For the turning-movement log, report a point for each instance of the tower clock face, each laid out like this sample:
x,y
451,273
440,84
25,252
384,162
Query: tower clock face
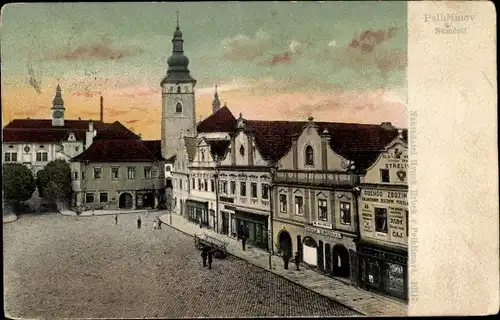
x,y
58,114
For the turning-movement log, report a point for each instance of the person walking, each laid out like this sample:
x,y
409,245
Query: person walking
x,y
139,222
159,224
116,219
286,259
297,260
243,241
204,256
210,257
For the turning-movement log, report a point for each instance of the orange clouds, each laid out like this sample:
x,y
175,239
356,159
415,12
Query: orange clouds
x,y
102,50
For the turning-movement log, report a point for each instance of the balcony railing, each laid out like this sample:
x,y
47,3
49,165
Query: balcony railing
x,y
323,178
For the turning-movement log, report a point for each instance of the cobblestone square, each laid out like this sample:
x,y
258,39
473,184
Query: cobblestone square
x,y
60,267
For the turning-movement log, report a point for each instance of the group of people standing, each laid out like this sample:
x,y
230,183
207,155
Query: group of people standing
x,y
156,223
207,254
286,260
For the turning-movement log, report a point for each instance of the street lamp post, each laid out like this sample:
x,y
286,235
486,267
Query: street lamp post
x,y
271,214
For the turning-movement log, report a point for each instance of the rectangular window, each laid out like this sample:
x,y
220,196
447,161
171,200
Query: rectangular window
x,y
243,189
192,184
381,220
206,184
10,156
97,173
13,157
115,172
299,205
41,156
7,157
180,184
253,189
384,175
232,185
154,173
75,175
199,184
148,174
103,197
77,148
322,210
131,172
223,187
89,198
345,213
265,191
212,185
283,203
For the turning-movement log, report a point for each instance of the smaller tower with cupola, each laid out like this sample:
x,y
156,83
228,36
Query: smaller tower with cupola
x,y
58,109
216,102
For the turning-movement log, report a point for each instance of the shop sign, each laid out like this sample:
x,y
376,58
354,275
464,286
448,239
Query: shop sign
x,y
322,224
226,199
323,232
385,197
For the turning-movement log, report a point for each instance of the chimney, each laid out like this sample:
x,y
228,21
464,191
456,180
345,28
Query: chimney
x,y
102,109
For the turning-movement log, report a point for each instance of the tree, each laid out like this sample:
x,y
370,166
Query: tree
x,y
54,182
18,183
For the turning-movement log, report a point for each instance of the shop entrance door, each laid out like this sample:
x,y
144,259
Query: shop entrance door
x,y
328,259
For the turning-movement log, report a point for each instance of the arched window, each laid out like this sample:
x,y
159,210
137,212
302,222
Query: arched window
x,y
178,107
309,154
242,150
178,89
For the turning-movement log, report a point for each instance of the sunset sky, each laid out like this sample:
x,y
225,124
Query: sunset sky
x,y
343,62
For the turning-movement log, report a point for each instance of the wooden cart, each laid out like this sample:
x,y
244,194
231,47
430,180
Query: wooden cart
x,y
204,242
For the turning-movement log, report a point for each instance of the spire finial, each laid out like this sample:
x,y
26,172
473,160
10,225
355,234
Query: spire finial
x,y
215,88
177,19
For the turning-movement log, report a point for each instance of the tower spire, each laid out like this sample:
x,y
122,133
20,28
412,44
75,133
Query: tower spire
x,y
216,102
177,19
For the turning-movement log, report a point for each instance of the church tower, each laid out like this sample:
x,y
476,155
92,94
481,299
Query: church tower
x,y
58,109
178,99
216,102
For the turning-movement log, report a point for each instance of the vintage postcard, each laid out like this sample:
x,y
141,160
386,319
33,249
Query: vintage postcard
x,y
249,159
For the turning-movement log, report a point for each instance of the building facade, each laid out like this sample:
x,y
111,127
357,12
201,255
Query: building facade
x,y
383,212
36,142
119,174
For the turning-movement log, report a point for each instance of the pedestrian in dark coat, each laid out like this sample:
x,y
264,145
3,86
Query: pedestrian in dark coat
x,y
297,260
159,224
204,255
286,259
116,219
210,257
243,241
139,223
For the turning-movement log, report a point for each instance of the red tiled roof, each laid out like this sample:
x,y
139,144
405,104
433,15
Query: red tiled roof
x,y
41,130
115,130
360,143
220,121
118,150
219,148
154,146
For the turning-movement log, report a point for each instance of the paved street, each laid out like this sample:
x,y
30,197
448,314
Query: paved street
x,y
60,267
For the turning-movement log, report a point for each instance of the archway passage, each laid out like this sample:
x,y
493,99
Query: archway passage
x,y
310,254
285,242
340,263
125,201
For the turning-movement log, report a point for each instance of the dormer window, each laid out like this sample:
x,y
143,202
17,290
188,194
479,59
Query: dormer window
x,y
242,151
309,156
178,107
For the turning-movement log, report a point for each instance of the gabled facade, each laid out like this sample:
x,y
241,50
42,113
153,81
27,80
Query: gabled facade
x,y
383,212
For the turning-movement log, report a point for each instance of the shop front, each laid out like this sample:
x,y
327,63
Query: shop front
x,y
253,226
332,252
383,269
197,212
145,199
